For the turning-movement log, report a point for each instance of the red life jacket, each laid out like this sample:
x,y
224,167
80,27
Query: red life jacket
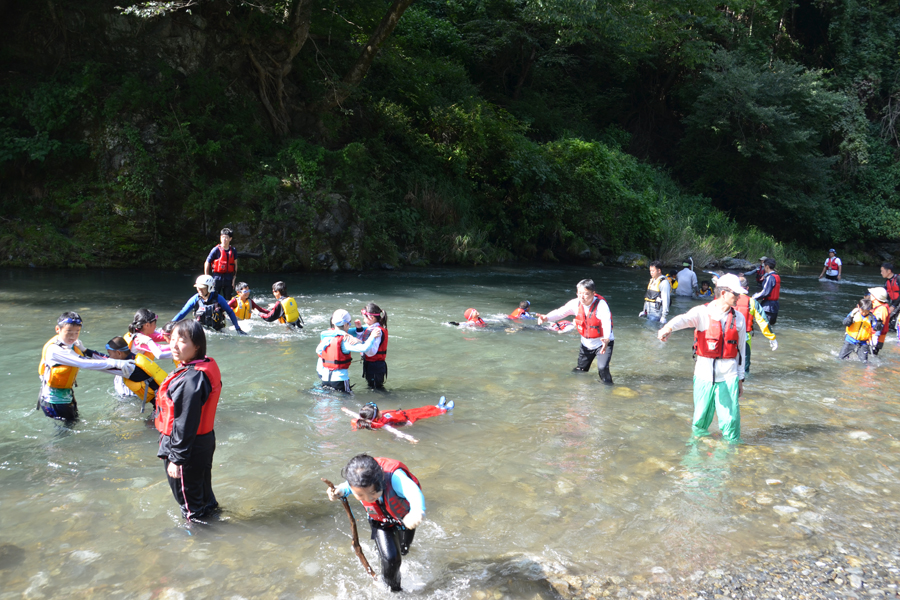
x,y
776,289
716,343
333,356
225,262
893,288
382,346
390,507
590,326
831,264
165,408
743,307
760,275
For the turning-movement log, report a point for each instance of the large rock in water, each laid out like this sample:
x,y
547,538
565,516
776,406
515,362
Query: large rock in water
x,y
736,264
633,259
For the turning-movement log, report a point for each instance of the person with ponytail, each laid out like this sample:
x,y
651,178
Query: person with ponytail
x,y
374,366
144,338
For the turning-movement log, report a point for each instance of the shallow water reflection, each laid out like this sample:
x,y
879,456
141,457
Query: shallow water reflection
x,y
537,470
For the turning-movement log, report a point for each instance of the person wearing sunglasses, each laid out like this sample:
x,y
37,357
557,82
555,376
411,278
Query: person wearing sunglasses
x,y
720,335
61,359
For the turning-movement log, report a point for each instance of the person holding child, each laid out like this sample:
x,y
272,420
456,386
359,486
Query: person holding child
x,y
334,350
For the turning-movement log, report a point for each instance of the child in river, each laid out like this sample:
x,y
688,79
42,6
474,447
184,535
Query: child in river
x,y
285,308
374,366
147,376
370,417
522,311
334,350
860,324
144,338
242,305
705,291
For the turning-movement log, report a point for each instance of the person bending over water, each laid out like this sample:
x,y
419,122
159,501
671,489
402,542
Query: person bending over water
x,y
594,322
394,503
185,418
334,351
146,378
62,357
860,325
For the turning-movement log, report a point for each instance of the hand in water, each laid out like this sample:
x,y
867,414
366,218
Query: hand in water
x,y
413,519
643,313
774,344
663,334
663,320
541,318
242,332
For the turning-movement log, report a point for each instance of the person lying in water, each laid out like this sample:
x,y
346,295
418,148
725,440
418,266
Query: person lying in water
x,y
370,417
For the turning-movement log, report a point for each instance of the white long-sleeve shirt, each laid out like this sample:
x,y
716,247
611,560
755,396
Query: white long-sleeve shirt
x,y
687,282
665,295
61,354
570,308
714,369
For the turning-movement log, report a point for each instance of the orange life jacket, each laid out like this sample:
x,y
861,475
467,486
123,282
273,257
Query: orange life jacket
x,y
165,407
590,326
893,289
776,289
333,356
743,307
61,376
716,343
382,346
518,313
390,507
225,262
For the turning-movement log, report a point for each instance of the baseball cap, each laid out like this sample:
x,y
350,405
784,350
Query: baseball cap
x,y
731,282
340,317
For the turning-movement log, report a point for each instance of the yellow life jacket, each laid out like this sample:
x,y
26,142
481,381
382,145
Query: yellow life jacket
x,y
143,387
653,294
860,329
243,310
673,281
60,376
291,312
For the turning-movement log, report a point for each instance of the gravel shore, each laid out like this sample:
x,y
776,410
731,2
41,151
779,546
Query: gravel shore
x,y
850,570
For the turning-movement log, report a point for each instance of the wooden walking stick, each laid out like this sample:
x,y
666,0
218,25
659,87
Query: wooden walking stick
x,y
354,533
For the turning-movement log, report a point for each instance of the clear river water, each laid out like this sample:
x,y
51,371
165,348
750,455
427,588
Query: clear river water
x,y
536,472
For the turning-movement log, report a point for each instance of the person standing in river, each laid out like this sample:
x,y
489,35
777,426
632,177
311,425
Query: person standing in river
x,y
832,268
222,260
687,281
186,411
658,295
770,292
892,287
759,273
594,322
720,335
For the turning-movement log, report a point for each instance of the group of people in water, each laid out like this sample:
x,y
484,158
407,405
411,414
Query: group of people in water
x,y
185,400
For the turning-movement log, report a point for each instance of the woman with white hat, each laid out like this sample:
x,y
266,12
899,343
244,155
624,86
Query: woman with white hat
x,y
881,308
334,351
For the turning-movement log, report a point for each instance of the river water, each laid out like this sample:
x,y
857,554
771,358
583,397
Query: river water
x,y
537,471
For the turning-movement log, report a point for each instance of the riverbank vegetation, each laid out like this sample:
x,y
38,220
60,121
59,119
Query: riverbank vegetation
x,y
351,135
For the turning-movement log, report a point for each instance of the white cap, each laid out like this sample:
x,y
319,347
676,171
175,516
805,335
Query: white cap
x,y
206,281
340,317
731,282
879,293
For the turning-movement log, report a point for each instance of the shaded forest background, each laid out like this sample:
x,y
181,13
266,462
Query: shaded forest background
x,y
345,135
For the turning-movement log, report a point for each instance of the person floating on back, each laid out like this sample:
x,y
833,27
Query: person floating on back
x,y
62,357
222,261
832,268
392,497
285,308
209,307
594,322
719,341
146,378
334,350
860,325
370,417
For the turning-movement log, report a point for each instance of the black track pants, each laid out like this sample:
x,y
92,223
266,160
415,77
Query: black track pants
x,y
393,541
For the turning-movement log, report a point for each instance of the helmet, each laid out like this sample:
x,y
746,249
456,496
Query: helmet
x,y
206,281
